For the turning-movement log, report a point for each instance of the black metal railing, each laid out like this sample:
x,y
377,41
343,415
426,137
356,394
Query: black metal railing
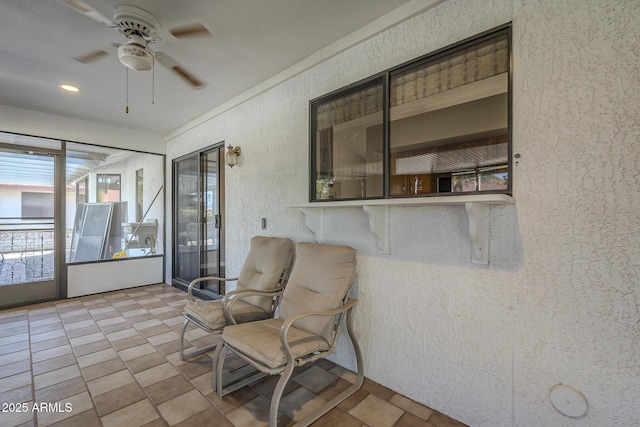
x,y
27,252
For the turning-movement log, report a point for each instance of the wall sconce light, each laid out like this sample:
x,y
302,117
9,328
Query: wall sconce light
x,y
231,156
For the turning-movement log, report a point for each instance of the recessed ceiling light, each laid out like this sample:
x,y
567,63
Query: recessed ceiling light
x,y
70,88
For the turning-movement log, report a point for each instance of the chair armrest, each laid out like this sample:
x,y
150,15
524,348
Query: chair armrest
x,y
284,329
202,279
234,296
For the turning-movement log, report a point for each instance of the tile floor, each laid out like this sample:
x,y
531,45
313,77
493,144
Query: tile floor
x,y
111,360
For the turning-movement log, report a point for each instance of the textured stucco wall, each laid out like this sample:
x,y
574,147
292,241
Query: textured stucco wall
x,y
558,302
577,292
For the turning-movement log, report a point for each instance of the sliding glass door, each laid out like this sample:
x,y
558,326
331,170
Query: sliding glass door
x,y
213,233
198,219
31,218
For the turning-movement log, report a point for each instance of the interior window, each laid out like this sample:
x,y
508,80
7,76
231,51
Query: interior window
x,y
438,125
349,150
449,122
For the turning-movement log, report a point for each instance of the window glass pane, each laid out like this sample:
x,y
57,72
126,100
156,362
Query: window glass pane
x,y
187,212
139,194
38,205
348,145
30,141
102,203
449,122
82,196
27,210
108,187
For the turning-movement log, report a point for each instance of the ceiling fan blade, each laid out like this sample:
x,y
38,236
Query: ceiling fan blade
x,y
192,30
89,11
174,66
90,57
188,77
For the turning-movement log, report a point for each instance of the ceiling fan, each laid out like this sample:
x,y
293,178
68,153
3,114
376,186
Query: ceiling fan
x,y
141,29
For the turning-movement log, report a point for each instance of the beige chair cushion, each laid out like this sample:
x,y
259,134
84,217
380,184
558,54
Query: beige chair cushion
x,y
210,314
265,263
261,341
319,281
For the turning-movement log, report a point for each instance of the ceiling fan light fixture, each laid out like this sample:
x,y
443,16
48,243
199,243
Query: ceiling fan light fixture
x,y
69,88
136,57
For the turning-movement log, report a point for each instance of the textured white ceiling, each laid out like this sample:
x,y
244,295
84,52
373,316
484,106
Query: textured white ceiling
x,y
252,41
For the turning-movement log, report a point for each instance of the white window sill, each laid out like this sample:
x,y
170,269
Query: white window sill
x,y
476,205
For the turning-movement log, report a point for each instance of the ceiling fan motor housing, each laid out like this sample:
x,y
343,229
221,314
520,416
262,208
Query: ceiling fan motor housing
x,y
140,28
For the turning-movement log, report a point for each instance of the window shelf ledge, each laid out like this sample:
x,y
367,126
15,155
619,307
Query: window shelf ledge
x,y
476,206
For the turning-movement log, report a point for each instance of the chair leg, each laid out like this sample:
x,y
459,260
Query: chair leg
x,y
222,354
184,356
214,370
357,350
234,380
277,394
184,328
318,412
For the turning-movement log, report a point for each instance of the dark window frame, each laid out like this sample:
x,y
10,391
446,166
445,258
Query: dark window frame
x,y
348,90
385,78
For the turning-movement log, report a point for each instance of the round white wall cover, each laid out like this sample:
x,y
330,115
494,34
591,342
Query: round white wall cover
x,y
568,401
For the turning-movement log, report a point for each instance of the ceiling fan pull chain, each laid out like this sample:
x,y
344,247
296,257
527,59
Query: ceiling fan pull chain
x,y
127,91
153,80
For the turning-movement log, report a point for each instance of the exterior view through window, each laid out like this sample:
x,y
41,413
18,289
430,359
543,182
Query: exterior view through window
x,y
105,210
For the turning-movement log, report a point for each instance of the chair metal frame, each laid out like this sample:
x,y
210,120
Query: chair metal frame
x,y
236,380
187,319
227,303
